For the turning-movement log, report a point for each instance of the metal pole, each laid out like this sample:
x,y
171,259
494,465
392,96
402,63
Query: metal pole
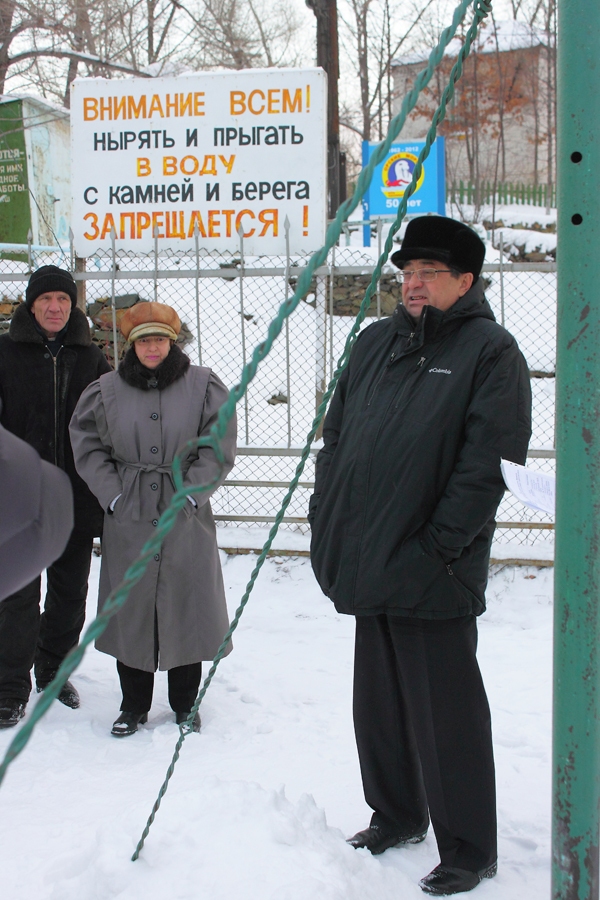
x,y
502,278
243,321
331,283
320,345
197,241
155,236
29,243
112,300
576,738
286,225
379,230
72,250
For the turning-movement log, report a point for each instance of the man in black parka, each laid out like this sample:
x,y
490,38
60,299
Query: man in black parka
x,y
46,360
407,486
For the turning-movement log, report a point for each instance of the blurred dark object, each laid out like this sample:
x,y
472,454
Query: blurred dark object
x,y
36,514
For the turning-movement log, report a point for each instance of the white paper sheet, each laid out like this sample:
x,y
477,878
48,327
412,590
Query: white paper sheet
x,y
534,489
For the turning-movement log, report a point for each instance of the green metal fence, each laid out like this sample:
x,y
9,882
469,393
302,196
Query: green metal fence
x,y
506,192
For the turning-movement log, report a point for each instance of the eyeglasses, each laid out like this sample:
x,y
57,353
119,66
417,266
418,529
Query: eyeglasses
x,y
422,274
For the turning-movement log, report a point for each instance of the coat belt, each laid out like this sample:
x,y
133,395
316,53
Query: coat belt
x,y
133,493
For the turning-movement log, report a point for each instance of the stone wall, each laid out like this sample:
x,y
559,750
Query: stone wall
x,y
349,290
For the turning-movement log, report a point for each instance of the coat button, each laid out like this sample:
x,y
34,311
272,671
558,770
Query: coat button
x,y
154,486
154,416
46,356
153,449
155,521
156,557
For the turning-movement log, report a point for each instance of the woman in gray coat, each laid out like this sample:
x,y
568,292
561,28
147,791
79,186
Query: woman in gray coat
x,y
126,430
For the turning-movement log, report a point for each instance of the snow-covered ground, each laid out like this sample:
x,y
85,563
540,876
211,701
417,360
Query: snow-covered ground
x,y
262,799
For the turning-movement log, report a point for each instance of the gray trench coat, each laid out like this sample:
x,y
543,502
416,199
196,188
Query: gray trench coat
x,y
124,442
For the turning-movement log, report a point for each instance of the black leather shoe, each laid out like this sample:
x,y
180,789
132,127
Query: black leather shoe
x,y
11,711
68,693
377,841
127,723
446,880
182,717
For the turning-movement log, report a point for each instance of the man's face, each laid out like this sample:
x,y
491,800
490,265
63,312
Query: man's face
x,y
441,293
52,311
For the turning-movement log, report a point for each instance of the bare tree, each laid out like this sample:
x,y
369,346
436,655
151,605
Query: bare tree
x,y
45,44
241,34
369,23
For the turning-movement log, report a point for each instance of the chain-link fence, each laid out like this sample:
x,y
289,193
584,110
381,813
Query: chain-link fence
x,y
226,303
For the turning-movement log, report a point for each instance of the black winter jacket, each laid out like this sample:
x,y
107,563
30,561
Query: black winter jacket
x,y
408,481
38,395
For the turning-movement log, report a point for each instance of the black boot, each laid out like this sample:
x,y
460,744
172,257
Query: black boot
x,y
68,693
182,717
127,723
377,840
445,880
10,712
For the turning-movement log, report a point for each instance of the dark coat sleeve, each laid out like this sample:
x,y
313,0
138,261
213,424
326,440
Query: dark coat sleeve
x,y
36,513
497,426
331,433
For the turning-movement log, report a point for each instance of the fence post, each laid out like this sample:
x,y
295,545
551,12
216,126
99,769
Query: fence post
x,y
286,226
113,249
197,285
320,342
155,236
379,232
77,265
576,737
502,278
331,287
243,325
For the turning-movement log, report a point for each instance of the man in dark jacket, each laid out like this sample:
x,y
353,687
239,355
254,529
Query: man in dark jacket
x,y
407,486
46,360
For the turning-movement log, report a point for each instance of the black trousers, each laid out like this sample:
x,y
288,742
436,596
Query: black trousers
x,y
137,687
423,731
28,638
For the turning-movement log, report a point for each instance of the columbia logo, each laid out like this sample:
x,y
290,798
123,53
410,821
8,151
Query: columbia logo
x,y
442,371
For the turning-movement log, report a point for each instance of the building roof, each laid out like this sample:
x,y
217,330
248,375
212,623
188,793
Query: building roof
x,y
511,35
46,107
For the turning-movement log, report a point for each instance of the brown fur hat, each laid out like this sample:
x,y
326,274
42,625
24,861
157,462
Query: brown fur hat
x,y
144,319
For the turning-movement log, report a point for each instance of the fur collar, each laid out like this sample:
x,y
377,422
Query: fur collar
x,y
135,374
22,328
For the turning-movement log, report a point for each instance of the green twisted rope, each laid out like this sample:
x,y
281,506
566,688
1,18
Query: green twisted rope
x,y
482,8
135,572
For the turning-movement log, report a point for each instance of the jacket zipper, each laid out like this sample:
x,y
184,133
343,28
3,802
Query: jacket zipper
x,y
391,360
377,383
54,359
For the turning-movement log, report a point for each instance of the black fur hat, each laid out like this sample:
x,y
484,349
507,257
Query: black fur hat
x,y
437,237
50,278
